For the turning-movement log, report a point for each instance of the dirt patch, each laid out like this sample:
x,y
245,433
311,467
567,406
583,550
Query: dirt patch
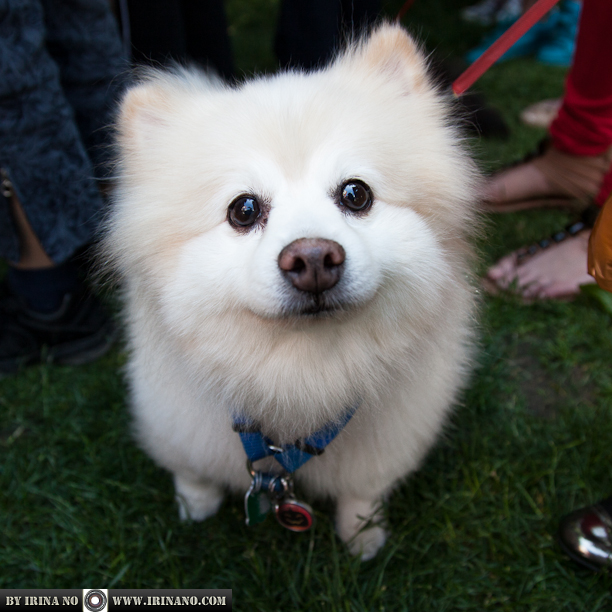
x,y
544,392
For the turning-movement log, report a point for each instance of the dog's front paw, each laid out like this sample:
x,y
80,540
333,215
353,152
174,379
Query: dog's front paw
x,y
197,501
367,542
359,525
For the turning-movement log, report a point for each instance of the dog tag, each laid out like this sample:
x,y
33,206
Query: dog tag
x,y
293,514
256,504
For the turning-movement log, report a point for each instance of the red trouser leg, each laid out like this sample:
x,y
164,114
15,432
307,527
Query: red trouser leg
x,y
584,123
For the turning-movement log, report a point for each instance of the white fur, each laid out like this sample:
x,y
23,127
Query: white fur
x,y
207,308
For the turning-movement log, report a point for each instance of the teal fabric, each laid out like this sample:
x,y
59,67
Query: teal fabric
x,y
552,40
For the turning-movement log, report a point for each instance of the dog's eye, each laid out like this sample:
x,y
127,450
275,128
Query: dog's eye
x,y
356,196
244,211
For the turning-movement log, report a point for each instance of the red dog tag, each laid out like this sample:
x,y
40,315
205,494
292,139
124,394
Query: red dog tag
x,y
294,515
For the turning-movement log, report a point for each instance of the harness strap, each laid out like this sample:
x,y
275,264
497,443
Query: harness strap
x,y
290,456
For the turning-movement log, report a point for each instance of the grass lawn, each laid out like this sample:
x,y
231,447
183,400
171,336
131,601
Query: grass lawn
x,y
474,529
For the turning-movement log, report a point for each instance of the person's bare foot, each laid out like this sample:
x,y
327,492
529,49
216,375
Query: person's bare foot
x,y
522,182
554,273
551,179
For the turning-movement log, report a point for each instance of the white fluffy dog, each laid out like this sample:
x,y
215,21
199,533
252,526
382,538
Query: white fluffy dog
x,y
291,247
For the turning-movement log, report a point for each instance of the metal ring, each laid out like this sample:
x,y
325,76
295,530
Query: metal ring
x,y
271,486
287,482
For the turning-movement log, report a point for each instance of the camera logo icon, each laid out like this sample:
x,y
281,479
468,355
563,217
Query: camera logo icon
x,y
95,600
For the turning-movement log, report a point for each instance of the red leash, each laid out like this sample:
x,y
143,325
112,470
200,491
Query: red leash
x,y
502,44
499,47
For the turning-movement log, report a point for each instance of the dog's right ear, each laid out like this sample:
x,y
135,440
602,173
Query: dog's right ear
x,y
145,109
159,100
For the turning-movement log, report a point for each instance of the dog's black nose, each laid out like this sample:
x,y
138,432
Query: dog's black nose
x,y
312,264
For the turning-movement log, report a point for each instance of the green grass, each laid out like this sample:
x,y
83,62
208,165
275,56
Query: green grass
x,y
474,529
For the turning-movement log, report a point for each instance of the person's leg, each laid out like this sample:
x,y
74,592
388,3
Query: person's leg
x,y
41,152
82,38
31,253
584,123
44,304
577,165
39,282
549,179
583,131
50,205
553,273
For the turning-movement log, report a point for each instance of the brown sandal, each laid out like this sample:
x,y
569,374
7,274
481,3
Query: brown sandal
x,y
575,180
586,222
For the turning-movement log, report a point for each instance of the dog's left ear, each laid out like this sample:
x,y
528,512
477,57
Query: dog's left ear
x,y
391,52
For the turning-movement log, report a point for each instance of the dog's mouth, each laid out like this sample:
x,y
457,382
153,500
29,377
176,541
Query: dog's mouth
x,y
316,305
319,310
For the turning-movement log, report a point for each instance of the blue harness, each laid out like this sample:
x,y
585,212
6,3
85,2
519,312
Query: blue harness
x,y
290,456
270,489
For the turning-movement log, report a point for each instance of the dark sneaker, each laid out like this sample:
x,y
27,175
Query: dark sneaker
x,y
80,331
